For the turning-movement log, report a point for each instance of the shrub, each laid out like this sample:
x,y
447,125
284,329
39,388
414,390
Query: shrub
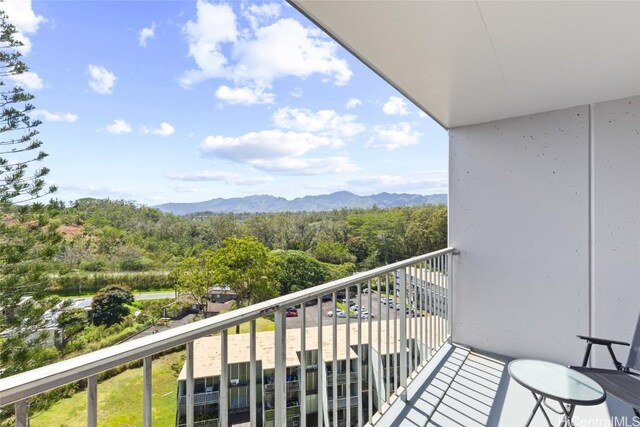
x,y
95,265
109,304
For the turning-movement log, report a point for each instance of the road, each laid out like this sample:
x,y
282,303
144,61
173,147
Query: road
x,y
155,295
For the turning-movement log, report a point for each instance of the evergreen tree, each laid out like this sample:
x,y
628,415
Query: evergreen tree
x,y
27,239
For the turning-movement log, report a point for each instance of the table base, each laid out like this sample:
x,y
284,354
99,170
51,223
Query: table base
x,y
567,411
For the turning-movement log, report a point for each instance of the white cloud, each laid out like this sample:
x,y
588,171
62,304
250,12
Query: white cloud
x,y
165,129
393,137
322,122
296,92
28,80
278,151
56,117
102,80
216,24
353,103
425,183
118,127
244,95
266,144
259,55
286,48
260,14
21,14
305,166
220,176
146,33
395,106
185,189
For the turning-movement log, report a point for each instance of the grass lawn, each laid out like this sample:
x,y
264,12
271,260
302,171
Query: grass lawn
x,y
120,400
262,325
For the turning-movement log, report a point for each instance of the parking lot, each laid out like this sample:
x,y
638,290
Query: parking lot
x,y
375,308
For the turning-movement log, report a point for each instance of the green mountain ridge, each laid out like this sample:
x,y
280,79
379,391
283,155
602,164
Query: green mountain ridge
x,y
326,202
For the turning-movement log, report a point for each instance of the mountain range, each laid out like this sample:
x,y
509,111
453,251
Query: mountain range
x,y
327,202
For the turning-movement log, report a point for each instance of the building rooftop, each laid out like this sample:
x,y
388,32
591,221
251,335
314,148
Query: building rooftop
x,y
207,355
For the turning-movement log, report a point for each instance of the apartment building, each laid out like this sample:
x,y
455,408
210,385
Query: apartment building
x,y
362,368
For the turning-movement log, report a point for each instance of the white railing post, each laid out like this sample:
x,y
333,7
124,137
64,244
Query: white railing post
x,y
92,401
223,406
403,333
303,366
22,413
190,385
147,391
360,406
334,359
280,373
321,366
370,360
348,354
450,291
253,389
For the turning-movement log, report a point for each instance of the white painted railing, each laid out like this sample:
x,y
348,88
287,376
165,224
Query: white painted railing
x,y
418,324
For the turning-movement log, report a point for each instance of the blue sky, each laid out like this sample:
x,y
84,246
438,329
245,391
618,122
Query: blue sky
x,y
159,101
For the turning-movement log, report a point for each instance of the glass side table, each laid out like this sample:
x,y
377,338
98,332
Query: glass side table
x,y
546,380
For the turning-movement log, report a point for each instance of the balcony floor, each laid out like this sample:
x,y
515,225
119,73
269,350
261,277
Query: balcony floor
x,y
462,388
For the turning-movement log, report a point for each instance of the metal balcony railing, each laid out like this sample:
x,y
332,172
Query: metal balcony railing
x,y
342,402
342,377
427,330
205,423
292,411
201,398
291,386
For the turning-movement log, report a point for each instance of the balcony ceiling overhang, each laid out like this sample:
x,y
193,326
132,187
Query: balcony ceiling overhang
x,y
467,62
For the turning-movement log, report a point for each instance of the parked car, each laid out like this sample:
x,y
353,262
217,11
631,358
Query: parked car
x,y
385,300
291,313
339,313
365,290
326,298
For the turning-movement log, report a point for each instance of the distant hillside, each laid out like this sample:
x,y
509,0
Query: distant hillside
x,y
327,202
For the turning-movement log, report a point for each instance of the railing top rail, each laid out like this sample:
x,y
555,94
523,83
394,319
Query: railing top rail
x,y
27,384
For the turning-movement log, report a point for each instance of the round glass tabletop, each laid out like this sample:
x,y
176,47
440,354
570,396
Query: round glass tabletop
x,y
556,382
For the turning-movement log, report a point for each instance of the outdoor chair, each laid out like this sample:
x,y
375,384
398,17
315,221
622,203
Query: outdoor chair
x,y
622,382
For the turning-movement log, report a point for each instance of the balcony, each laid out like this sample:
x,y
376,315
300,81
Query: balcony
x,y
436,380
292,412
291,386
342,402
365,341
205,423
201,399
341,378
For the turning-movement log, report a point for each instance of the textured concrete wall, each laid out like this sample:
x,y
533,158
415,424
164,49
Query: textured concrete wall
x,y
616,221
545,210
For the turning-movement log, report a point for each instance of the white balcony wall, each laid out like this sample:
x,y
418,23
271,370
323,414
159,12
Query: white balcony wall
x,y
545,210
616,270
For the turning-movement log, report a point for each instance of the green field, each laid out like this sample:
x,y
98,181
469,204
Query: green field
x,y
262,325
120,400
120,397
